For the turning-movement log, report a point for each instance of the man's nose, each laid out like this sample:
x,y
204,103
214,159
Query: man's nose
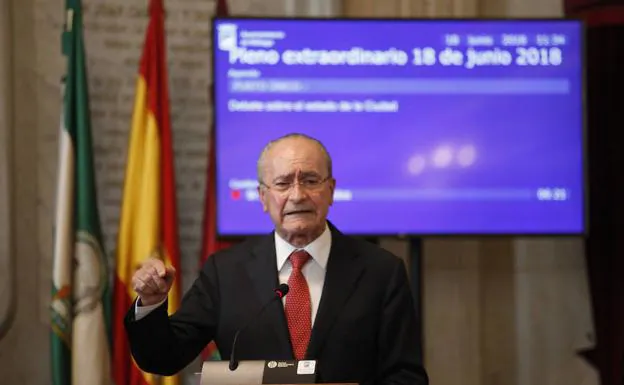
x,y
297,193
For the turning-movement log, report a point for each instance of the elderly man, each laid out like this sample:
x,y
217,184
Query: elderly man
x,y
349,306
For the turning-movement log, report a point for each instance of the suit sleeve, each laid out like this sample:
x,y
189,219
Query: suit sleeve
x,y
165,345
399,361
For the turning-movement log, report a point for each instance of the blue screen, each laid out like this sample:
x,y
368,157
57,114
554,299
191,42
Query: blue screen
x,y
434,126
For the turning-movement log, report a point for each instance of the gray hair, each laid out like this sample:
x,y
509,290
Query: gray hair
x,y
260,164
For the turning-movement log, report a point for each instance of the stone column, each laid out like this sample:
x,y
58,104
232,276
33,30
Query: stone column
x,y
7,255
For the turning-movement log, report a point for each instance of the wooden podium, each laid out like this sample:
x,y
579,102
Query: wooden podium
x,y
275,372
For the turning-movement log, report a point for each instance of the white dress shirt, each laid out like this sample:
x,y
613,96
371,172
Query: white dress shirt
x,y
314,270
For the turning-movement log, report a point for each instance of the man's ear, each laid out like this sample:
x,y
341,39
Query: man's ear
x,y
262,196
332,188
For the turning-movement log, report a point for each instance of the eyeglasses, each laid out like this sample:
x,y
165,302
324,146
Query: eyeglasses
x,y
310,184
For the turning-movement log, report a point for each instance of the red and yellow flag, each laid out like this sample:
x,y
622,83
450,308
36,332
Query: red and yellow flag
x,y
148,224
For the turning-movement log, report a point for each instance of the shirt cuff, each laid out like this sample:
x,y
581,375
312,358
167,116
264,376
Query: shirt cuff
x,y
142,311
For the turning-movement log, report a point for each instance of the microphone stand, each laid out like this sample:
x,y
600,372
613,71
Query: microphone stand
x,y
280,292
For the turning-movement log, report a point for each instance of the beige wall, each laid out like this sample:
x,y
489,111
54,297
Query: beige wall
x,y
503,311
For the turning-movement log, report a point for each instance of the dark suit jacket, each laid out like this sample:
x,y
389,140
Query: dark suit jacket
x,y
365,330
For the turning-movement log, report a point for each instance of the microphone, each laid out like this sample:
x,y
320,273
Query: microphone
x,y
279,293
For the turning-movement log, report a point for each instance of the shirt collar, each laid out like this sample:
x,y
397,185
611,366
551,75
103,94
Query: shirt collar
x,y
318,249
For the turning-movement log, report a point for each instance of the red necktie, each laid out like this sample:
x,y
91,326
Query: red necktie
x,y
298,305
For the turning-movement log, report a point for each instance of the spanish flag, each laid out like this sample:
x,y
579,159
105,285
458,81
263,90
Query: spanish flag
x,y
148,224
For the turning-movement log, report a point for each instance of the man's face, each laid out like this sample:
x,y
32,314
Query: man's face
x,y
297,192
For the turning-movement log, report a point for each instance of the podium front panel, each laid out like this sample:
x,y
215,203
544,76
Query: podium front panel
x,y
257,372
219,373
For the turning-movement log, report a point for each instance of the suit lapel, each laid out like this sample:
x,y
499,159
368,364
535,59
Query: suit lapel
x,y
343,271
262,271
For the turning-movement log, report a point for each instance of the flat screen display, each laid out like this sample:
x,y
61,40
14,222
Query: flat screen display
x,y
435,127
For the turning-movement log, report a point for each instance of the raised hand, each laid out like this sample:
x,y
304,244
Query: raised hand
x,y
152,281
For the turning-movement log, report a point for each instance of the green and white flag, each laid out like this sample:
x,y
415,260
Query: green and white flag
x,y
80,305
